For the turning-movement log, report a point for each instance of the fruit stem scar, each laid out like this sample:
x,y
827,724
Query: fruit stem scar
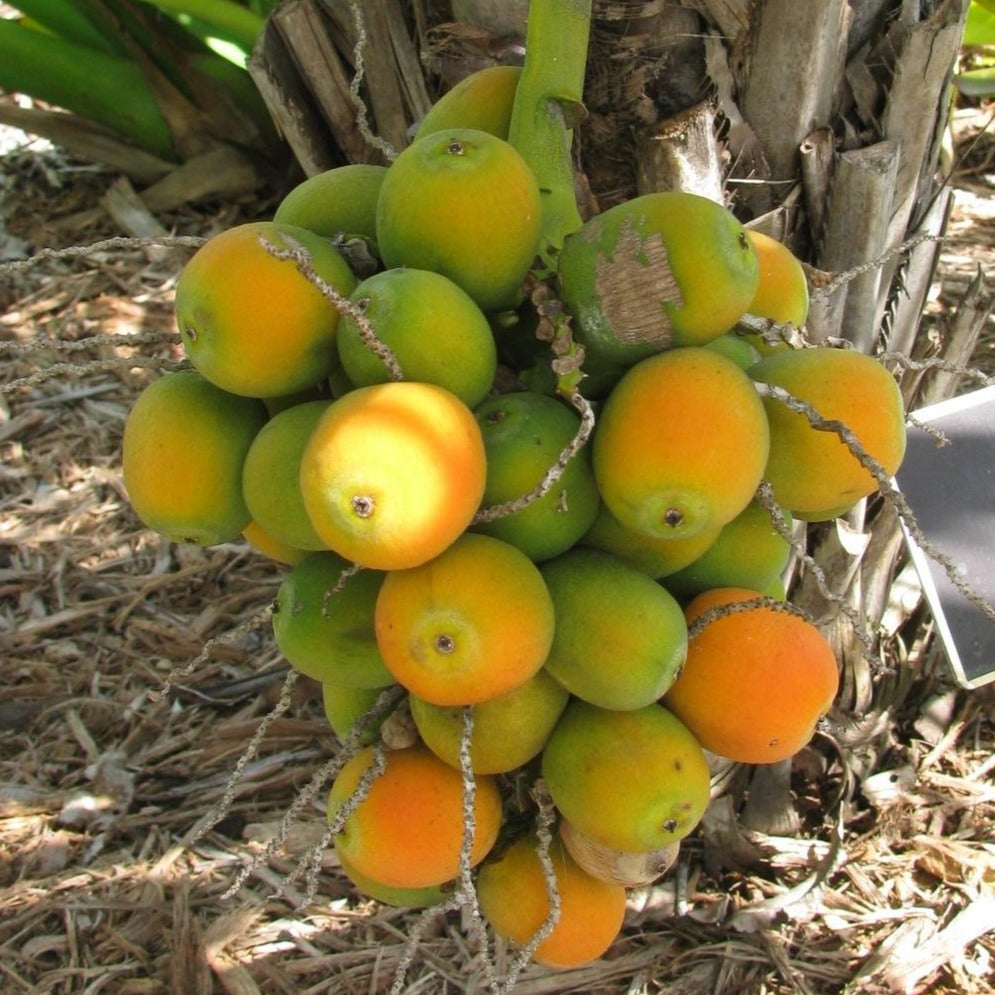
x,y
445,644
363,505
673,517
455,148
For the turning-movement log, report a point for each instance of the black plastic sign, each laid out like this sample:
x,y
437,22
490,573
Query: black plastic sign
x,y
951,492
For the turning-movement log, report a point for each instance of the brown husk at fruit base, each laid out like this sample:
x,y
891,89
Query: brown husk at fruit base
x,y
882,881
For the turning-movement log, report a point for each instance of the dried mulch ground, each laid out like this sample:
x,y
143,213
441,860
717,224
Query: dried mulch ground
x,y
885,883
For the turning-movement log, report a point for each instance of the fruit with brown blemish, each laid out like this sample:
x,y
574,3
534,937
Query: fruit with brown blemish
x,y
661,270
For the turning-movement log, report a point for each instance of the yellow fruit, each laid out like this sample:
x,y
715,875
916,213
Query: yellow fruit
x,y
469,625
393,473
661,270
524,434
681,444
634,781
465,204
185,441
813,471
482,100
620,637
514,898
434,329
271,476
508,731
782,290
330,636
253,324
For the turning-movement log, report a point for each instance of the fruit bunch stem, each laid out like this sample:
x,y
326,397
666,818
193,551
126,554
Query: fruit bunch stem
x,y
548,103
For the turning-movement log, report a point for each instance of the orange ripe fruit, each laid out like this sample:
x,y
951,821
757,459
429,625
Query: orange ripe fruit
x,y
469,625
755,682
393,473
681,444
408,830
812,472
185,441
782,291
513,896
465,204
254,324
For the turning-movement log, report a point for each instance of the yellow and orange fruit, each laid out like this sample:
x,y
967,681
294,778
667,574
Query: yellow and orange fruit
x,y
253,323
393,473
469,625
464,203
514,898
407,832
681,444
185,443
